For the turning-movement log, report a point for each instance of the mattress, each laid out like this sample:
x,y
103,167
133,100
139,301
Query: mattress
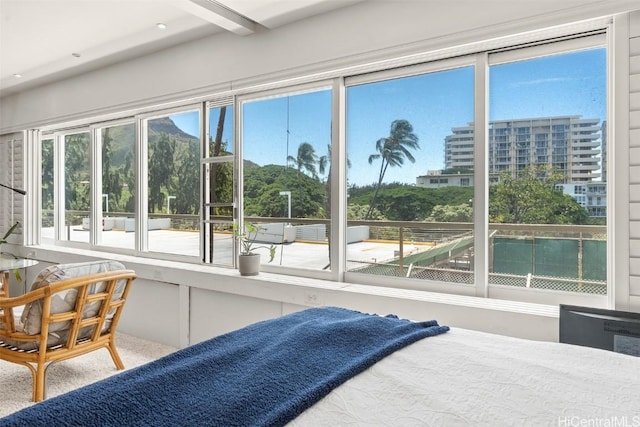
x,y
469,378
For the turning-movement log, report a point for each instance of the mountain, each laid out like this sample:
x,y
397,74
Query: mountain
x,y
122,136
166,125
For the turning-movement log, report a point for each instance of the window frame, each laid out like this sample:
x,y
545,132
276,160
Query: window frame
x,y
207,242
436,66
142,203
274,93
96,218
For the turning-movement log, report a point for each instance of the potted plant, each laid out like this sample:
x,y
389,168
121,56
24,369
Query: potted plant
x,y
249,261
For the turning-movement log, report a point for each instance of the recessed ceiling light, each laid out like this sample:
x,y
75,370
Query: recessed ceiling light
x,y
161,25
17,75
76,55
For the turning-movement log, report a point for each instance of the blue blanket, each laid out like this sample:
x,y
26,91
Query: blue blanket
x,y
263,375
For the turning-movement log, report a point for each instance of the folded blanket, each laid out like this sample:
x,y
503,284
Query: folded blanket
x,y
262,375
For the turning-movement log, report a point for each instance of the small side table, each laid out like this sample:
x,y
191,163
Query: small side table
x,y
9,264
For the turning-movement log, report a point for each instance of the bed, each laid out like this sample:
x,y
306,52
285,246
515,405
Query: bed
x,y
331,366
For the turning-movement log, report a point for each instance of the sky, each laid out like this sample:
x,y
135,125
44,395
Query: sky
x,y
434,103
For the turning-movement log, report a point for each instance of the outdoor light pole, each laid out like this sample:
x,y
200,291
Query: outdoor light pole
x,y
288,194
169,203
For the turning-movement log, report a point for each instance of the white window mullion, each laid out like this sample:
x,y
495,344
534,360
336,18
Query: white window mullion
x,y
142,216
33,199
238,174
95,168
338,231
618,205
481,177
59,179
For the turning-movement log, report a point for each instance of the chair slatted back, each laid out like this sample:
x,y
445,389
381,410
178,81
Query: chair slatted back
x,y
93,314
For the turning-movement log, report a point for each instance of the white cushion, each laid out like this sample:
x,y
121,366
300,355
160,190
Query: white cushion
x,y
64,301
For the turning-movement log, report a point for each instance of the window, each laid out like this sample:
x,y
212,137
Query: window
x,y
173,183
396,127
526,246
118,196
220,191
286,140
48,190
76,186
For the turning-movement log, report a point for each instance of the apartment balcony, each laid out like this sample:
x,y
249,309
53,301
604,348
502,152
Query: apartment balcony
x,y
585,144
583,176
583,166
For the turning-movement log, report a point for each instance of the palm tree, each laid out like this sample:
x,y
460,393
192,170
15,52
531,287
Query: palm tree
x,y
324,163
392,150
306,159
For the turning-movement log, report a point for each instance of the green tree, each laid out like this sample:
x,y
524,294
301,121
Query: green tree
x,y
531,197
130,181
404,202
112,175
220,174
47,176
392,151
76,164
161,154
306,159
262,186
359,212
451,213
186,182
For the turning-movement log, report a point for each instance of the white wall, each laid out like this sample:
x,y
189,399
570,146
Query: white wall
x,y
634,149
219,62
179,304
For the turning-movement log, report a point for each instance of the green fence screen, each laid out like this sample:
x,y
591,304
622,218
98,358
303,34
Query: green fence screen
x,y
594,257
556,258
550,257
512,256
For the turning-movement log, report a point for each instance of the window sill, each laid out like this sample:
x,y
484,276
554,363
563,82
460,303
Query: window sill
x,y
513,318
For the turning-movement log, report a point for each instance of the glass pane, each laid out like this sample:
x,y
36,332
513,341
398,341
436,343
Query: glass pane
x,y
547,159
118,186
219,191
220,131
405,192
77,186
174,183
48,191
286,146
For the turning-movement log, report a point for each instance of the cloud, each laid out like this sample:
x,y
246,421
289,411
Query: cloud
x,y
543,81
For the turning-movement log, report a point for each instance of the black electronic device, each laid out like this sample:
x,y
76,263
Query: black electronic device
x,y
612,330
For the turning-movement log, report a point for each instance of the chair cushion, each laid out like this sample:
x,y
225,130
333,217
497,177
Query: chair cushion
x,y
64,301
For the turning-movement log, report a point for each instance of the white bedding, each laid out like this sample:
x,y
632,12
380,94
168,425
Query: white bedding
x,y
468,378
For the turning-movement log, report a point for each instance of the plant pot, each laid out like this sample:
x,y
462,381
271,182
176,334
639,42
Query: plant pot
x,y
249,264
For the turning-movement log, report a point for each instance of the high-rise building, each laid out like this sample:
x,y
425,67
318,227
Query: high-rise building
x,y
574,147
569,144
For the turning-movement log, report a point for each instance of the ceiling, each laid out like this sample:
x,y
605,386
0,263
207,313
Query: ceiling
x,y
45,40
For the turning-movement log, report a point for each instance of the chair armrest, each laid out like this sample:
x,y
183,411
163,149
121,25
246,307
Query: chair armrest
x,y
7,305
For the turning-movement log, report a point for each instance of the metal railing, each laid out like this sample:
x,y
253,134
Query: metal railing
x,y
435,251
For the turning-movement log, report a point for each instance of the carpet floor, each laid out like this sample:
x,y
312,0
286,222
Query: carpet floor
x,y
16,381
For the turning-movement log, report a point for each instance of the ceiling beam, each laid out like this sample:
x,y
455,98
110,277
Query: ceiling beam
x,y
220,15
